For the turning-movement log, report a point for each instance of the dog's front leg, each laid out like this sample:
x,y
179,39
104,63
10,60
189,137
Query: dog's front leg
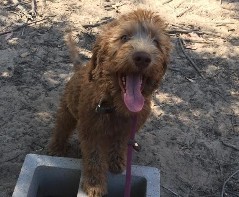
x,y
117,154
94,167
65,124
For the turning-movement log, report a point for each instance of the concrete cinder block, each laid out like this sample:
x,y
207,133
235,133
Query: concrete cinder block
x,y
46,176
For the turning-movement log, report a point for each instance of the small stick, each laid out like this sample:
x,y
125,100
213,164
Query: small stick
x,y
177,6
24,25
224,23
224,184
167,2
34,7
189,58
174,69
232,122
185,31
171,191
184,11
230,145
236,194
181,31
16,156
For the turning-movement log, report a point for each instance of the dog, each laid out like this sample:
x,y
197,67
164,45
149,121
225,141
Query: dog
x,y
129,59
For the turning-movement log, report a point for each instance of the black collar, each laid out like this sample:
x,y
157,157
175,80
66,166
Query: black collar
x,y
104,108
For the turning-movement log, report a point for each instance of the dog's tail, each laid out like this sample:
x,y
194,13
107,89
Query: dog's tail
x,y
74,54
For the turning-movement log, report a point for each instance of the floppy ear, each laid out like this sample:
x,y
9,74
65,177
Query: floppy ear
x,y
97,59
100,51
164,67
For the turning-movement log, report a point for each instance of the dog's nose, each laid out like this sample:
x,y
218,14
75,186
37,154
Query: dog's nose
x,y
141,59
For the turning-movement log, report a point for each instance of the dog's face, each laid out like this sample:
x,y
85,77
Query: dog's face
x,y
134,50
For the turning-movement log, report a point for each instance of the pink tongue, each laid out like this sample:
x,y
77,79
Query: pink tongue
x,y
133,98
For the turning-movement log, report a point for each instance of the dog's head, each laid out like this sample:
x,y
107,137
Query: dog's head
x,y
133,50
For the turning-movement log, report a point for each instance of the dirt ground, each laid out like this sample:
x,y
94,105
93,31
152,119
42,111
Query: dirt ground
x,y
192,135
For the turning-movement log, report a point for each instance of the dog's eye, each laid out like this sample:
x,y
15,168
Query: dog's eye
x,y
156,42
125,38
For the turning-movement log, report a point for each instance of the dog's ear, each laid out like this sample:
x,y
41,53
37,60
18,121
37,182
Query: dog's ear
x,y
97,59
164,67
100,50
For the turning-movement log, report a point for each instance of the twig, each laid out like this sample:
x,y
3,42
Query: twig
x,y
229,145
190,80
177,6
189,58
224,23
13,157
224,184
17,28
233,121
175,31
34,7
184,11
171,191
167,2
236,194
181,30
219,94
174,69
24,25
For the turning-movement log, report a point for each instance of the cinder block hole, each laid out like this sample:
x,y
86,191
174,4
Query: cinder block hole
x,y
116,184
61,182
54,182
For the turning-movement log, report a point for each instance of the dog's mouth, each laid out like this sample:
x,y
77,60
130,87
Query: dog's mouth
x,y
131,86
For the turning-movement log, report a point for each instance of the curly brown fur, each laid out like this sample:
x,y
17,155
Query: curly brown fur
x,y
131,50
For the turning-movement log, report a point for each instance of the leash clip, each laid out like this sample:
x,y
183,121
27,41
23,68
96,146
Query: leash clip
x,y
104,109
135,145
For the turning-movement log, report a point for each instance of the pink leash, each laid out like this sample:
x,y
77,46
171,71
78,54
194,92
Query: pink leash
x,y
129,157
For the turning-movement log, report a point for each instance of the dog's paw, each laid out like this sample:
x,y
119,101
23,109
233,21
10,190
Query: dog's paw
x,y
116,165
94,191
57,149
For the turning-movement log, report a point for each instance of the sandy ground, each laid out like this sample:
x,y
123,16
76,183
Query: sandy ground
x,y
192,135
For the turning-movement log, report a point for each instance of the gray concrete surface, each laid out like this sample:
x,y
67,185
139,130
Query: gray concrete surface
x,y
43,176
